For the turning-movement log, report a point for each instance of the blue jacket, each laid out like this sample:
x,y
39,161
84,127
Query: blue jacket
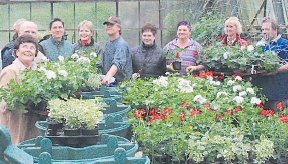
x,y
274,87
52,49
117,53
6,53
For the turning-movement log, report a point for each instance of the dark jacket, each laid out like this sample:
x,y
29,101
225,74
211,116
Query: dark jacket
x,y
149,61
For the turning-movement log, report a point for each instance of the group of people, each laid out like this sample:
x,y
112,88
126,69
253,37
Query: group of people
x,y
121,62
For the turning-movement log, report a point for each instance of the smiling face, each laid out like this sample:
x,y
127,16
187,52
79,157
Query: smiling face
x,y
231,29
148,38
26,53
57,30
85,33
183,32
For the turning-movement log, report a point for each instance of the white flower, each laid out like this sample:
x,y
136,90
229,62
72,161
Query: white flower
x,y
226,55
63,73
236,88
167,73
243,93
61,58
250,90
255,100
200,99
93,54
162,81
216,83
75,56
230,82
238,78
221,93
250,48
42,69
238,99
50,74
262,42
83,59
184,85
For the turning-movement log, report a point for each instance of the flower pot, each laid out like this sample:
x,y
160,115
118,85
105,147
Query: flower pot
x,y
72,132
176,65
90,132
52,128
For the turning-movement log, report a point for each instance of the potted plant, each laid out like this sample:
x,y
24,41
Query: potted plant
x,y
174,57
237,59
77,113
190,119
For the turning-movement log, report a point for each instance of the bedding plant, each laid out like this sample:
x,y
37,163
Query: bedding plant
x,y
202,120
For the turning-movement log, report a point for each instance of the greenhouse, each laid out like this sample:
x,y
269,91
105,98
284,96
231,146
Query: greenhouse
x,y
144,81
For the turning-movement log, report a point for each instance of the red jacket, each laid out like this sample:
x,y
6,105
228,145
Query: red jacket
x,y
241,42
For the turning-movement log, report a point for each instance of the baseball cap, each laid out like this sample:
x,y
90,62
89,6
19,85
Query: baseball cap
x,y
112,20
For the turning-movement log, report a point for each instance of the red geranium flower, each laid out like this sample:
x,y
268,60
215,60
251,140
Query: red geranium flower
x,y
267,112
168,110
150,120
280,105
260,105
219,37
237,109
218,116
229,111
208,106
220,77
194,112
182,116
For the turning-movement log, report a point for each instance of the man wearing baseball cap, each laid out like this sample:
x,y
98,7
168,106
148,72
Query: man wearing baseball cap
x,y
117,59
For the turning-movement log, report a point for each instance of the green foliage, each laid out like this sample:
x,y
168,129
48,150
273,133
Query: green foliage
x,y
199,119
51,80
207,30
77,112
234,58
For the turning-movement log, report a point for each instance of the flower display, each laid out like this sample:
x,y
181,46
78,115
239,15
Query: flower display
x,y
76,113
60,79
210,123
239,59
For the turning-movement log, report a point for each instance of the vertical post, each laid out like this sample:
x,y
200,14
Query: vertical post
x,y
265,8
51,11
139,18
117,8
9,21
160,22
30,9
74,20
96,25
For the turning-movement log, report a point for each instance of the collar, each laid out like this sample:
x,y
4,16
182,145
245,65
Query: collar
x,y
20,65
148,46
54,41
189,43
276,39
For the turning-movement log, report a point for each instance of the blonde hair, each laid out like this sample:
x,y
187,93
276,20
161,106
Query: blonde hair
x,y
17,24
233,20
87,23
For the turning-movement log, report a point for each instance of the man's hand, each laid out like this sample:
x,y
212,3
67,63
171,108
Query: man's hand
x,y
170,67
106,79
191,69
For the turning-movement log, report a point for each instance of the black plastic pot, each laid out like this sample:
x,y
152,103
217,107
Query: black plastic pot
x,y
72,132
176,65
90,132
